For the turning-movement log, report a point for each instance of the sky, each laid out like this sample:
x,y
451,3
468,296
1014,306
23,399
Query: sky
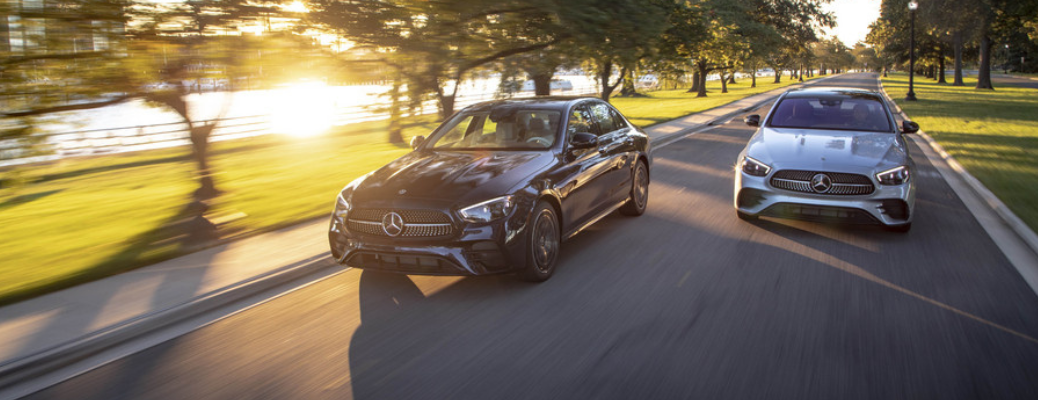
x,y
853,18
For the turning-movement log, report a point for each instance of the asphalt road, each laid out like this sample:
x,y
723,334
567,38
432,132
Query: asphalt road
x,y
686,301
1015,81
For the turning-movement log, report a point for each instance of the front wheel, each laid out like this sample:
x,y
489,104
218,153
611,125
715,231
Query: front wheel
x,y
543,244
903,228
636,204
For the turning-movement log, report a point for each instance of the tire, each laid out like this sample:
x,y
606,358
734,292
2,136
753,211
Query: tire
x,y
543,244
745,217
903,228
639,197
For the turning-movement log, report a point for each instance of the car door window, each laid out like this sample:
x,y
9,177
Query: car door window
x,y
579,121
618,119
603,117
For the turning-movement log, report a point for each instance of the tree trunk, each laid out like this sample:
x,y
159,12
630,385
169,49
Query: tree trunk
x,y
724,82
702,79
778,74
200,152
695,82
753,77
800,74
940,62
731,78
628,84
604,72
542,84
446,106
958,59
396,133
984,75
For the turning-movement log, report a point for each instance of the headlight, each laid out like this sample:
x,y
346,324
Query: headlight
x,y
894,176
342,208
488,210
754,167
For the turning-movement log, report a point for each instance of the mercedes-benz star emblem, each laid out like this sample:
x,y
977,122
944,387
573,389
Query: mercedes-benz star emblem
x,y
821,183
393,224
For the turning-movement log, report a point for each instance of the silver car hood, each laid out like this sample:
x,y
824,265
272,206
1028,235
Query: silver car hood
x,y
827,150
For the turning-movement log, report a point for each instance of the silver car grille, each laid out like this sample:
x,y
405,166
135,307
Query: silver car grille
x,y
417,223
843,184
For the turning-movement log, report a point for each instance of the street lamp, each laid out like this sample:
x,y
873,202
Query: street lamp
x,y
912,5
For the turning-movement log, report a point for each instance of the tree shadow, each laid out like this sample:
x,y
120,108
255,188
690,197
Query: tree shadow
x,y
26,198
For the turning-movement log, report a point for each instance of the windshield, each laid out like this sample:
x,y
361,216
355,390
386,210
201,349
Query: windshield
x,y
832,112
498,129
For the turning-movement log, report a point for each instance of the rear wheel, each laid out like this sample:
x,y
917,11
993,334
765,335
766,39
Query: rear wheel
x,y
639,199
543,244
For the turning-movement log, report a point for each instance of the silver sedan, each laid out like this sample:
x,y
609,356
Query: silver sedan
x,y
828,155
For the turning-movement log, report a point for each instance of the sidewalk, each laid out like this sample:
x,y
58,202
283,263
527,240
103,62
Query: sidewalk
x,y
46,332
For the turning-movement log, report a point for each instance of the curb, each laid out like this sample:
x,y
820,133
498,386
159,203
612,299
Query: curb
x,y
27,368
1007,216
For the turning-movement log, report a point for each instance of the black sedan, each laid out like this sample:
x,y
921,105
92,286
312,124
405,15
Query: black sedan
x,y
495,189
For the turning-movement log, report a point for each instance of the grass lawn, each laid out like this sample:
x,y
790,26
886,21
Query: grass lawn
x,y
81,219
994,134
665,105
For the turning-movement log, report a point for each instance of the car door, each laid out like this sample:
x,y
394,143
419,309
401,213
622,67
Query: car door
x,y
581,179
614,146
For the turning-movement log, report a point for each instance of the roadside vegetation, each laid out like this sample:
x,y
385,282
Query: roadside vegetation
x,y
993,134
81,219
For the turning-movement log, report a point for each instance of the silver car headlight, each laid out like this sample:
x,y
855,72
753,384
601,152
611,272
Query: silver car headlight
x,y
753,167
489,210
893,176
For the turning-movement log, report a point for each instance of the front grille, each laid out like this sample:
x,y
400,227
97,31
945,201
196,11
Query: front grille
x,y
843,184
414,264
417,223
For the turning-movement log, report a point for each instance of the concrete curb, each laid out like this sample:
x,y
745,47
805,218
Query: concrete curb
x,y
1007,216
27,368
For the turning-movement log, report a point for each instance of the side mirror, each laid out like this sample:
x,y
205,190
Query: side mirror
x,y
909,127
583,140
417,141
752,120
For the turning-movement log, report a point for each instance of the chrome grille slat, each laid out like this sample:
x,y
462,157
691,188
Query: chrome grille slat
x,y
844,184
417,223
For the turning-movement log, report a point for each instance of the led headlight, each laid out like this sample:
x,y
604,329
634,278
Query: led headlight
x,y
488,210
893,176
754,167
342,208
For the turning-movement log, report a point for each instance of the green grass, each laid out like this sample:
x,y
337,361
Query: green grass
x,y
993,134
665,105
81,219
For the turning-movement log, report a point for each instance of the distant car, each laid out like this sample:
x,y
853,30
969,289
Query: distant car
x,y
495,189
830,155
556,84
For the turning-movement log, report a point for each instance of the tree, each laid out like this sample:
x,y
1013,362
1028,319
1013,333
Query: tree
x,y
433,45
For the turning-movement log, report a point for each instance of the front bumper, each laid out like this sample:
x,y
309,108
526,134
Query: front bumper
x,y
887,205
483,249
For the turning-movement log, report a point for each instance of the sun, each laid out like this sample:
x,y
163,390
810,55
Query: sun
x,y
305,109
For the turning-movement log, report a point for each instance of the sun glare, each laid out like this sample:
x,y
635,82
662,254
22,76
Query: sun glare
x,y
297,6
304,109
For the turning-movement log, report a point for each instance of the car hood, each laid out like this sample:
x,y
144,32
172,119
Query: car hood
x,y
827,150
451,176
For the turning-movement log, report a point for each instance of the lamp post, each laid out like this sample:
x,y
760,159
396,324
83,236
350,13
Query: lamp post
x,y
912,5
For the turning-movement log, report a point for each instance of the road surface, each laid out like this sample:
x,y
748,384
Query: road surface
x,y
686,301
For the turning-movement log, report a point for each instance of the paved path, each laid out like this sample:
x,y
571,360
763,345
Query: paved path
x,y
686,301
